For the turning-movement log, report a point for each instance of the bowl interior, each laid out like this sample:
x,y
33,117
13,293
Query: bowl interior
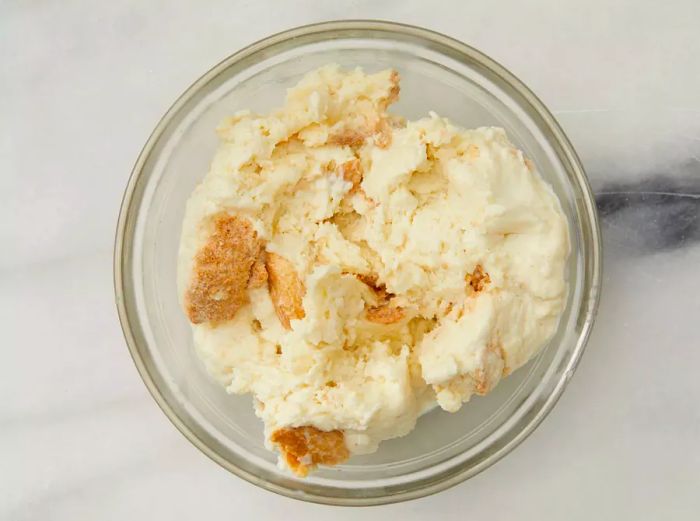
x,y
443,446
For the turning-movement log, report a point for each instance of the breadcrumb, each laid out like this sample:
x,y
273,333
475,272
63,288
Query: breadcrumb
x,y
222,269
304,448
477,279
286,290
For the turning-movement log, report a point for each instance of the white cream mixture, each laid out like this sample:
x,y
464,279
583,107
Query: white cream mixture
x,y
429,262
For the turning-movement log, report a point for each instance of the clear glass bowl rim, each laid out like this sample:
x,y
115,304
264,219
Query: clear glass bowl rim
x,y
319,32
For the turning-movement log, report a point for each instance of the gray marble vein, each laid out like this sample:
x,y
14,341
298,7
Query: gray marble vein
x,y
656,213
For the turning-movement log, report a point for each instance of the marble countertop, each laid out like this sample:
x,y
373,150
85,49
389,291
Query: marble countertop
x,y
82,85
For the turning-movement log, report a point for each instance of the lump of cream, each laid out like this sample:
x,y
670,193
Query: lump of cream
x,y
388,265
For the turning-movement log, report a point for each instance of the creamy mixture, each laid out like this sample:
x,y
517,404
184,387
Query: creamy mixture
x,y
350,269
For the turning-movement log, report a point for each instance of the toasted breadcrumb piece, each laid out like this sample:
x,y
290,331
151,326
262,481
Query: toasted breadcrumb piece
x,y
355,137
383,133
349,137
477,279
222,269
258,273
371,280
304,448
286,290
385,314
372,123
351,171
394,91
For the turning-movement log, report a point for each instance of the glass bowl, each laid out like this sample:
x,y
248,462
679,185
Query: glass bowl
x,y
437,73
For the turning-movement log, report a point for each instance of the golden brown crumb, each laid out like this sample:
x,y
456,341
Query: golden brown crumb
x,y
394,91
379,125
385,314
382,133
530,165
258,273
222,269
370,202
286,290
355,137
304,448
477,279
481,384
330,166
371,280
351,171
349,137
486,379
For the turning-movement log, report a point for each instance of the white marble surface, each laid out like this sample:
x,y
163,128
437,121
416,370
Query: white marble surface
x,y
82,84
